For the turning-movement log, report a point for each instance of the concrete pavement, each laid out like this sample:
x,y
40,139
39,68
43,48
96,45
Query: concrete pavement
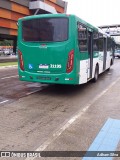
x,y
81,134
57,117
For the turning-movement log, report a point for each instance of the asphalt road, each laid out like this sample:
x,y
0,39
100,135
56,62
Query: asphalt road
x,y
55,117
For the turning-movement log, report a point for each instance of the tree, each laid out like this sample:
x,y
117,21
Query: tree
x,y
6,43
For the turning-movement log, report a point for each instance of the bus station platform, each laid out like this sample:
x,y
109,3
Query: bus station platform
x,y
94,128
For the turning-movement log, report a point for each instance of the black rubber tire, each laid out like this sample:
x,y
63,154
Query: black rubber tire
x,y
111,63
96,74
108,69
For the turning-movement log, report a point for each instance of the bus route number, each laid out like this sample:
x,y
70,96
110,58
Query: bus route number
x,y
55,66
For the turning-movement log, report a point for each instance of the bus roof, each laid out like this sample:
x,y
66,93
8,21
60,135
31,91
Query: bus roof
x,y
42,16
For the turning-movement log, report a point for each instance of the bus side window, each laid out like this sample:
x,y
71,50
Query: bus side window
x,y
82,37
95,41
110,45
101,42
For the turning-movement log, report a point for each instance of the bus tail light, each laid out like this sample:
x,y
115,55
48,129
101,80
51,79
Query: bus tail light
x,y
21,60
70,61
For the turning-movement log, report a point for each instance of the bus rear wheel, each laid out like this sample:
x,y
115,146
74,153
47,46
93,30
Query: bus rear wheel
x,y
111,63
96,74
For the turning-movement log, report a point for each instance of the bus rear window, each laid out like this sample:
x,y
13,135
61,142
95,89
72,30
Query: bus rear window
x,y
45,30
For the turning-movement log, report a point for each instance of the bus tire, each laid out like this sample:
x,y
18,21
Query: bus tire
x,y
108,69
111,63
96,74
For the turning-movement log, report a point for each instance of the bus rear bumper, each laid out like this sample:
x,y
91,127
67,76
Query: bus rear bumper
x,y
63,78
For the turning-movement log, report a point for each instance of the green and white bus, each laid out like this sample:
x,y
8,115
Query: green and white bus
x,y
62,49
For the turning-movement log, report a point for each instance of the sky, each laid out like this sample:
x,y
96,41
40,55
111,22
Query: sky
x,y
96,12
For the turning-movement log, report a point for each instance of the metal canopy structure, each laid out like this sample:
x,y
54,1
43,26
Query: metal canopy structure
x,y
113,30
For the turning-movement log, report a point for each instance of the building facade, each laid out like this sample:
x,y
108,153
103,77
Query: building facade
x,y
12,10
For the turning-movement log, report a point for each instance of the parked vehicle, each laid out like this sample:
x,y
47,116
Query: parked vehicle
x,y
6,51
1,51
11,51
117,53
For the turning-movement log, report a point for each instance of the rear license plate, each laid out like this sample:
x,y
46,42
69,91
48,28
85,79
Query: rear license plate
x,y
43,78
